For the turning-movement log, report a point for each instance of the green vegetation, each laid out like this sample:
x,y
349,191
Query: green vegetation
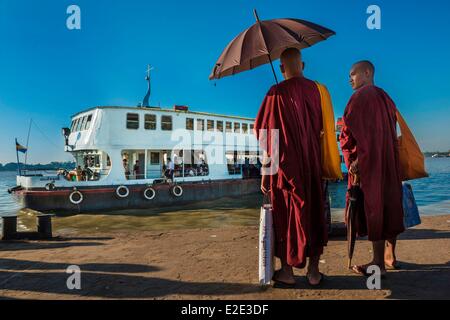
x,y
12,166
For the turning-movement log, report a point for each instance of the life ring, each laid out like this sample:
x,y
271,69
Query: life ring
x,y
80,195
177,191
50,186
152,193
120,194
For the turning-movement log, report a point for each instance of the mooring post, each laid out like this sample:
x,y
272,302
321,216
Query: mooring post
x,y
44,225
9,227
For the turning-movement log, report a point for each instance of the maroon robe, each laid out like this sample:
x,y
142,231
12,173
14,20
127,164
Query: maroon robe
x,y
294,108
370,135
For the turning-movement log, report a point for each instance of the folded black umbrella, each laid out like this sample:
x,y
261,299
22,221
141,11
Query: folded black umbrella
x,y
355,218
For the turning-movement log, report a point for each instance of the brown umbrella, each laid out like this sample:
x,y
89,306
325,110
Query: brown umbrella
x,y
264,42
354,217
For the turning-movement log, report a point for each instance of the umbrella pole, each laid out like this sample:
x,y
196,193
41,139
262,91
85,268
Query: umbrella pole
x,y
273,70
270,60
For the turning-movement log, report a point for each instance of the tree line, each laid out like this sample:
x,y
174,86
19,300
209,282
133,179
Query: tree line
x,y
12,166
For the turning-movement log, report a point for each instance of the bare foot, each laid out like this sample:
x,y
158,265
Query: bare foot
x,y
391,265
314,278
362,269
284,277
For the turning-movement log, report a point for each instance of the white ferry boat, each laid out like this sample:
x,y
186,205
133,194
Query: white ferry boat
x,y
147,157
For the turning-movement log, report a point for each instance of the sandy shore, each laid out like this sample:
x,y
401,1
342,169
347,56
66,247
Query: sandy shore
x,y
212,263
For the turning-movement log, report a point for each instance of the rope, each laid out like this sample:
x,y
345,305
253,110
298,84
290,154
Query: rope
x,y
45,136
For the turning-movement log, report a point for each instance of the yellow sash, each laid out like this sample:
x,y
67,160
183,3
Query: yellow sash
x,y
331,161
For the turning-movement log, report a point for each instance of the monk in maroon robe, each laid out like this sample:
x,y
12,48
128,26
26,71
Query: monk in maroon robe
x,y
294,109
370,148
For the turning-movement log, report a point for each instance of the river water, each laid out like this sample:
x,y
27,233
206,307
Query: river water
x,y
432,196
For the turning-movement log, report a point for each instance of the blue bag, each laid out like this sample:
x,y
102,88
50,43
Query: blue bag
x,y
411,216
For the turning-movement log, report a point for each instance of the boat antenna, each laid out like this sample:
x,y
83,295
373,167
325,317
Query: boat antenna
x,y
145,102
28,140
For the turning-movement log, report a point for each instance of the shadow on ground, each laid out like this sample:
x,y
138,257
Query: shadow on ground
x,y
411,234
412,282
12,264
102,285
26,245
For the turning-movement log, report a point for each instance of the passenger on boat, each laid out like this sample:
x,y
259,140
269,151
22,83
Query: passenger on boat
x,y
202,168
88,174
170,169
79,173
246,169
66,174
127,170
136,170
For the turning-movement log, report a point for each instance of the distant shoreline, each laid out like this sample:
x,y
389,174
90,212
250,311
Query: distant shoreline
x,y
12,166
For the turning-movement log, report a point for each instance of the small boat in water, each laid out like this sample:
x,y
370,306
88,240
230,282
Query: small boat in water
x,y
147,157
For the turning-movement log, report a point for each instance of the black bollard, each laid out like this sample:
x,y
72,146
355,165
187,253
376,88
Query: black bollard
x,y
9,228
44,225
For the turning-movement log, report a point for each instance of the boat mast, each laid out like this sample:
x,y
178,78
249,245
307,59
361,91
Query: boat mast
x,y
28,140
145,102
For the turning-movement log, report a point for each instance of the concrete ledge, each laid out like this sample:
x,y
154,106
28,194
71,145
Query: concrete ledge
x,y
44,228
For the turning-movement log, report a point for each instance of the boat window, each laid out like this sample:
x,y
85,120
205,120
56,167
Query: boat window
x,y
251,127
72,126
132,121
210,124
83,125
166,123
200,124
189,124
220,126
237,127
80,120
228,127
91,165
88,122
154,158
244,128
75,124
243,163
234,167
150,122
194,163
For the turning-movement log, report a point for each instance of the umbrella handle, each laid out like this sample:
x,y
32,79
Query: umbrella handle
x,y
355,180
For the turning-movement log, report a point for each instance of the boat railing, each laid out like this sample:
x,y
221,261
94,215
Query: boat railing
x,y
38,172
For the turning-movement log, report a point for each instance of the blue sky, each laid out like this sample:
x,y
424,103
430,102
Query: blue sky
x,y
48,72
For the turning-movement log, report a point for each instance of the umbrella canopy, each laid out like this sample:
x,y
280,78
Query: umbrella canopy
x,y
264,42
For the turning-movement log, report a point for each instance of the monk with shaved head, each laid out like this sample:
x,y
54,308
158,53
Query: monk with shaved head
x,y
293,109
370,148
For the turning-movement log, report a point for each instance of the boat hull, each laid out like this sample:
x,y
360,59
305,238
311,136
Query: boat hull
x,y
104,198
